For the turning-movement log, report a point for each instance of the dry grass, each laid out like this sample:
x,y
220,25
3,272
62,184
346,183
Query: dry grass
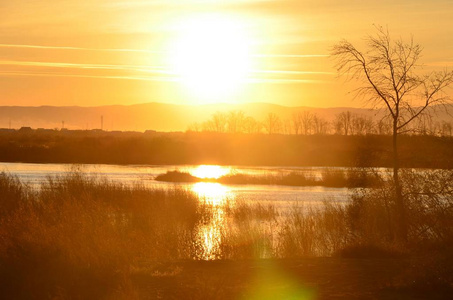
x,y
79,236
313,231
84,237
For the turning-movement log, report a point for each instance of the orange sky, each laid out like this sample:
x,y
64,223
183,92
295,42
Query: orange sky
x,y
100,52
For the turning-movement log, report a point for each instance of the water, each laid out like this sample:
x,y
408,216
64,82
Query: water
x,y
35,174
208,234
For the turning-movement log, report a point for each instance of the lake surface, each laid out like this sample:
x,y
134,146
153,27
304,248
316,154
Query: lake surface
x,y
281,196
208,234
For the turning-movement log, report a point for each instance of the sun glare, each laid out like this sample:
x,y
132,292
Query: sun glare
x,y
210,171
211,57
213,193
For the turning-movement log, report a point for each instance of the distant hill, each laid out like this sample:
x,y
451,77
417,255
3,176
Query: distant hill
x,y
153,116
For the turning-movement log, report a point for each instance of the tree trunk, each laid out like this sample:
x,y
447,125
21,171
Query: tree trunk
x,y
399,201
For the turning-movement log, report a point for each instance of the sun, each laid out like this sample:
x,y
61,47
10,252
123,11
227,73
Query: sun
x,y
211,58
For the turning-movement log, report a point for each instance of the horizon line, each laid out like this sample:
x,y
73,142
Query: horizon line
x,y
192,105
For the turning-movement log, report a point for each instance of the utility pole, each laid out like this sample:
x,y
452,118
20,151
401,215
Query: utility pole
x,y
102,122
62,124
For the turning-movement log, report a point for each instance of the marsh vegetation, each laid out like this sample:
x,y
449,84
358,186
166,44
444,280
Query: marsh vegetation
x,y
86,237
350,178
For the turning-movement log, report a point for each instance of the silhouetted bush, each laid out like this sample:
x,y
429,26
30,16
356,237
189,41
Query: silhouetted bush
x,y
176,176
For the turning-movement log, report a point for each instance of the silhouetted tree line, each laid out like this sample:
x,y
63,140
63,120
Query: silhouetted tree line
x,y
308,123
159,148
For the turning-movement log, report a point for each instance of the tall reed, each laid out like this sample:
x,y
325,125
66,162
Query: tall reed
x,y
80,236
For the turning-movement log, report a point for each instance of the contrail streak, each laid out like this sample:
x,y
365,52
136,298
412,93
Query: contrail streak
x,y
148,51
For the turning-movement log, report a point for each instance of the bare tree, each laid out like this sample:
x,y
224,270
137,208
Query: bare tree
x,y
307,122
384,126
194,127
343,123
286,126
389,77
362,125
320,125
252,126
447,128
302,122
236,121
272,123
219,121
424,125
297,122
207,126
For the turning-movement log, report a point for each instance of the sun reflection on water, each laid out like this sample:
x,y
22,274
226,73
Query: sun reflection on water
x,y
216,196
210,171
212,193
210,235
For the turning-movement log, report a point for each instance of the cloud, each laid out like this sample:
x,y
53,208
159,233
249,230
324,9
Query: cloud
x,y
148,51
291,55
47,74
76,48
142,72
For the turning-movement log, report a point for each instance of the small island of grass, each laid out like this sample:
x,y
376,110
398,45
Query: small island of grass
x,y
329,178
